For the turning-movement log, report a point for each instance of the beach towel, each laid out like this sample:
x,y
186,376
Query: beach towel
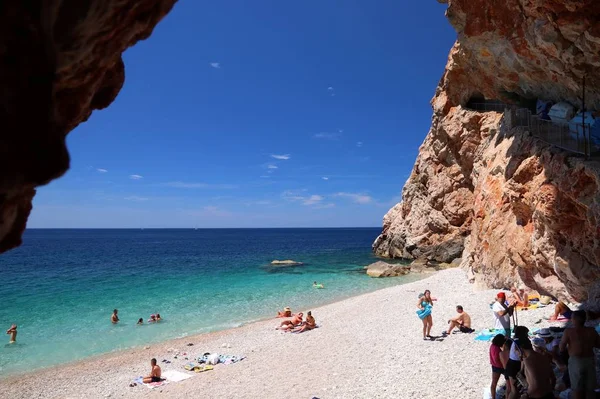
x,y
487,334
175,376
151,385
230,359
531,306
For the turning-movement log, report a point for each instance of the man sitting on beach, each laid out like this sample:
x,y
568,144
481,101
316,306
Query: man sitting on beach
x,y
155,373
114,318
580,342
462,320
295,321
12,331
538,373
309,324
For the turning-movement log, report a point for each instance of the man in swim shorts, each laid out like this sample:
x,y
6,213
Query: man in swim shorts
x,y
12,331
561,309
155,373
462,320
580,341
538,373
114,318
309,324
293,322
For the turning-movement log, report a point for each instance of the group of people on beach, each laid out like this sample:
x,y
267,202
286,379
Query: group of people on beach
x,y
462,320
294,322
154,318
528,365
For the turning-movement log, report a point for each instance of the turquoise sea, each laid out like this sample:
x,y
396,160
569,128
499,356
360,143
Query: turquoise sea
x,y
61,286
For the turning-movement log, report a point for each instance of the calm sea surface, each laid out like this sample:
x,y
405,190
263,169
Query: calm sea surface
x,y
61,286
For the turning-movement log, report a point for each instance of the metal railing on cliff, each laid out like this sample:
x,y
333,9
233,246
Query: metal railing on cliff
x,y
556,134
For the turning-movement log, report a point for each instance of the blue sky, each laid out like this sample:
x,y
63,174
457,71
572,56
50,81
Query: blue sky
x,y
259,114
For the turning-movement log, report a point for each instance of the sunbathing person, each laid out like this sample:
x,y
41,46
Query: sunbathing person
x,y
309,324
525,298
287,312
12,331
462,320
155,373
295,321
561,309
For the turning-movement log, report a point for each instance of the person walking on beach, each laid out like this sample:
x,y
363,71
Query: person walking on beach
x,y
12,331
424,306
580,342
497,368
502,312
155,373
114,318
538,373
462,320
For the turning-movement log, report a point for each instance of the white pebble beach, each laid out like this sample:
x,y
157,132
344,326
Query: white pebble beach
x,y
369,346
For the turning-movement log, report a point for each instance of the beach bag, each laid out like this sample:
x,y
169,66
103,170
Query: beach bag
x,y
544,299
212,359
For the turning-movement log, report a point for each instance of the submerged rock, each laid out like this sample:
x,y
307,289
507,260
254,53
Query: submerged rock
x,y
287,262
383,269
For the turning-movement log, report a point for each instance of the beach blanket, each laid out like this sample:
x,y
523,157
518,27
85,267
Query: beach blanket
x,y
197,368
531,306
151,385
175,376
487,334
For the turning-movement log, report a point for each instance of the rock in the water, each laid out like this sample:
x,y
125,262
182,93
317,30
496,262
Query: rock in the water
x,y
287,262
383,269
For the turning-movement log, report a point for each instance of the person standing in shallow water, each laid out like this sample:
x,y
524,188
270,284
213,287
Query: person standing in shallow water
x,y
424,306
114,318
12,331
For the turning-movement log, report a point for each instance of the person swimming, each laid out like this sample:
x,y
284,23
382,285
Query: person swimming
x,y
152,319
140,321
12,331
158,318
315,285
114,318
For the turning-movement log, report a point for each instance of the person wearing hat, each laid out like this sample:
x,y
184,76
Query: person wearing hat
x,y
502,312
287,312
550,344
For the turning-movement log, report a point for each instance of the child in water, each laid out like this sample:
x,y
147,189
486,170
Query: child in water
x,y
140,321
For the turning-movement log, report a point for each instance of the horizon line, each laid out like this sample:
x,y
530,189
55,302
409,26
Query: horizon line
x,y
195,228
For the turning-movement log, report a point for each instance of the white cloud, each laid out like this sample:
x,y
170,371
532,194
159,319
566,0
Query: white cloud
x,y
283,157
215,65
327,136
101,170
272,167
330,88
297,196
265,177
181,184
313,199
325,178
357,198
359,144
135,198
136,177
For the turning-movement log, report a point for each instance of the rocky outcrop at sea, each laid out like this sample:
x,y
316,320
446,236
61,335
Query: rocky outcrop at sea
x,y
515,209
384,269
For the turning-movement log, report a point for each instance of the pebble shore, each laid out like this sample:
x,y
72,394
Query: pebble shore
x,y
369,346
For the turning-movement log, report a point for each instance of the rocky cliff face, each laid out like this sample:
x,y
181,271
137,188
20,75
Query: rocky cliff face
x,y
513,208
61,60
